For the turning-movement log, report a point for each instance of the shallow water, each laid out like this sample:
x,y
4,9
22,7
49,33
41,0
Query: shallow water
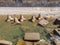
x,y
33,4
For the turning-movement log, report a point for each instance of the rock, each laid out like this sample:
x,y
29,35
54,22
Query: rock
x,y
22,18
9,18
16,21
33,19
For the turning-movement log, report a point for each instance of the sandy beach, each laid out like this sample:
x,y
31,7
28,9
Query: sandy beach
x,y
30,10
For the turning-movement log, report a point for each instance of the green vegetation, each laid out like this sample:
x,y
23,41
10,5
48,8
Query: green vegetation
x,y
10,31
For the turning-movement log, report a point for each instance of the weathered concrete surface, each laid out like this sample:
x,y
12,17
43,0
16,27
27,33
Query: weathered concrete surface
x,y
30,10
